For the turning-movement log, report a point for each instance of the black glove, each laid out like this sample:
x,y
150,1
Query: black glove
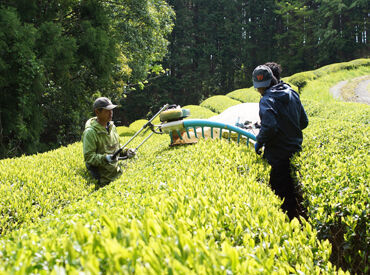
x,y
257,148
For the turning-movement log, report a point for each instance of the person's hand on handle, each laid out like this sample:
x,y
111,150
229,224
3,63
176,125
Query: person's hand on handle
x,y
110,158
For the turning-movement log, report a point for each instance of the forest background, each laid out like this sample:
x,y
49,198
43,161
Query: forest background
x,y
57,56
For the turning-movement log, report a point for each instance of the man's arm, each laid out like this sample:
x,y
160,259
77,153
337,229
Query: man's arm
x,y
268,122
304,118
89,149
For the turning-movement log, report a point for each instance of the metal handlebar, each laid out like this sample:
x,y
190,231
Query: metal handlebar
x,y
149,123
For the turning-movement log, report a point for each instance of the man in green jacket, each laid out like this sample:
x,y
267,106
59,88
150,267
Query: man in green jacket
x,y
100,140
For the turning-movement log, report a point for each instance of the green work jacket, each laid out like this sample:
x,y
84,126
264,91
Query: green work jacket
x,y
97,143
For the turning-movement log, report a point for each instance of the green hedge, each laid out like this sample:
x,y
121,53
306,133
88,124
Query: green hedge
x,y
334,167
201,209
219,103
125,131
199,112
204,208
35,186
319,89
137,125
334,171
301,79
351,65
245,95
340,111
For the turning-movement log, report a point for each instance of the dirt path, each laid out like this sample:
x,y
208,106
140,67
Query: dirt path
x,y
362,91
336,90
355,90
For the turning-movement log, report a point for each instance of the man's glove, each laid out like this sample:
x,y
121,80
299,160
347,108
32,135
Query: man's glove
x,y
257,148
130,153
110,158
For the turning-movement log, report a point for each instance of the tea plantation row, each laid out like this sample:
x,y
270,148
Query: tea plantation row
x,y
344,126
203,209
334,168
194,209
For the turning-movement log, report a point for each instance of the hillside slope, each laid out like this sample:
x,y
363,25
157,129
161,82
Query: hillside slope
x,y
199,209
175,210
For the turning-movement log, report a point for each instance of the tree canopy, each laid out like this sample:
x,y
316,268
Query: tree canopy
x,y
216,44
57,56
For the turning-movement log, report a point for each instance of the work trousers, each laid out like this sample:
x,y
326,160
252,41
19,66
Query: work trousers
x,y
283,182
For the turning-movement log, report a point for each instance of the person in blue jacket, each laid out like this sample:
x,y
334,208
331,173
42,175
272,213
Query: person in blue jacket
x,y
282,120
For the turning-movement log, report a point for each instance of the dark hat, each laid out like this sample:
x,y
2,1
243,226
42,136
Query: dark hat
x,y
262,76
105,103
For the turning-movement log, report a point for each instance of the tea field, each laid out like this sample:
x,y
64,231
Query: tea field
x,y
198,209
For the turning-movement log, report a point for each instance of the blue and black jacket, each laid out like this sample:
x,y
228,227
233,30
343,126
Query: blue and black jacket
x,y
282,120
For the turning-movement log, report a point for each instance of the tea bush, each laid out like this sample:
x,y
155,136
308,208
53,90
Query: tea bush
x,y
351,65
325,70
245,95
334,173
35,186
219,103
319,89
300,79
137,125
199,112
337,142
125,131
339,111
200,209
